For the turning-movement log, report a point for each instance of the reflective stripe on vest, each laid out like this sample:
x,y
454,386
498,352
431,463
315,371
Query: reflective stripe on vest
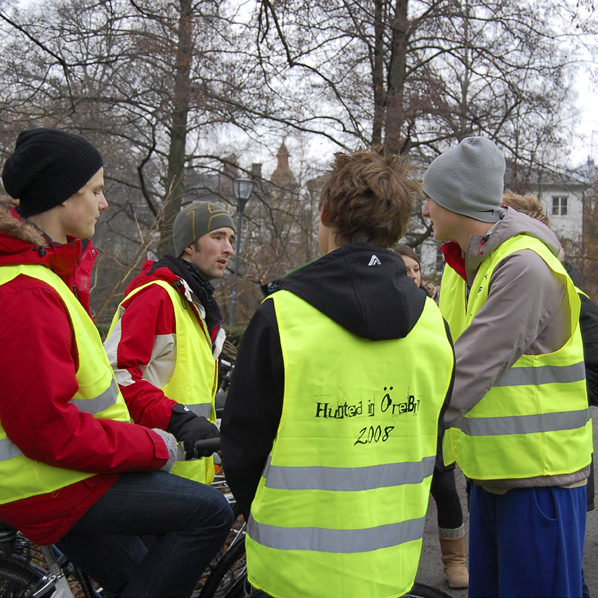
x,y
546,374
96,405
195,372
535,420
101,402
347,479
524,424
344,494
98,394
341,541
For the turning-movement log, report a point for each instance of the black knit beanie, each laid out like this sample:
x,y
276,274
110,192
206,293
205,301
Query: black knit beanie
x,y
47,167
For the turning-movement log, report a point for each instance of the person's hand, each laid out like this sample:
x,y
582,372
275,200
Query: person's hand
x,y
175,451
188,428
195,429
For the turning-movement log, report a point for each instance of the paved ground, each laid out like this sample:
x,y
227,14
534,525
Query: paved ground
x,y
430,569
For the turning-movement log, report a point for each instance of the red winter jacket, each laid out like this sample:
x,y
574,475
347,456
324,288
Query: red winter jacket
x,y
39,360
146,339
132,350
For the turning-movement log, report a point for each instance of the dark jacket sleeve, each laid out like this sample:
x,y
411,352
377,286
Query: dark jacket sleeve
x,y
253,406
439,466
588,323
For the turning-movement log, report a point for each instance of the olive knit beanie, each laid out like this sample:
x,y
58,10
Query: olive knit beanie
x,y
468,179
195,221
47,167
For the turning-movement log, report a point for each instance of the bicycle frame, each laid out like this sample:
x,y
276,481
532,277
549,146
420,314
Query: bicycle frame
x,y
55,579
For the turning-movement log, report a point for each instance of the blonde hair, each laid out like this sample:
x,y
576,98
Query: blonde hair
x,y
528,204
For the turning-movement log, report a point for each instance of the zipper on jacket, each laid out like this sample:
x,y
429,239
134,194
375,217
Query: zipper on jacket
x,y
178,285
484,239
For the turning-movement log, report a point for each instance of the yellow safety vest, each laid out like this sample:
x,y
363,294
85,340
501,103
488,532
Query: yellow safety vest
x,y
340,508
195,376
535,420
453,301
98,394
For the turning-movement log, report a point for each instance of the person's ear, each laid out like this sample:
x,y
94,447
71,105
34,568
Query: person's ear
x,y
324,217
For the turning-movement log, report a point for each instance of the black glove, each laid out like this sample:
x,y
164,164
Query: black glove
x,y
187,428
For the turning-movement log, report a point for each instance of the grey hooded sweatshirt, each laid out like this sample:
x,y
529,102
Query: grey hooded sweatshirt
x,y
525,313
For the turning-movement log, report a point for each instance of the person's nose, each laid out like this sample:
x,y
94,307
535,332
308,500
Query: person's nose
x,y
103,204
426,209
228,248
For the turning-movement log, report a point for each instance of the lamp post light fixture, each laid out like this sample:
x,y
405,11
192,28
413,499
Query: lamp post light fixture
x,y
242,189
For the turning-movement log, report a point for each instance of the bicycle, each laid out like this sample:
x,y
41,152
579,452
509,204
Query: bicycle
x,y
29,570
227,576
24,576
227,571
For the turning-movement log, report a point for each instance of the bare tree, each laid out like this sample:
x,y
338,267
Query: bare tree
x,y
168,90
414,74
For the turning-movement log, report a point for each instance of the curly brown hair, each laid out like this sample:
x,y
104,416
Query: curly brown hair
x,y
528,204
369,196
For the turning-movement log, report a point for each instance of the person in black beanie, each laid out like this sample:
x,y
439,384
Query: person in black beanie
x,y
47,167
167,334
75,471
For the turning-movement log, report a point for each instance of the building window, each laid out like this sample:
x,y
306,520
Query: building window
x,y
439,260
559,205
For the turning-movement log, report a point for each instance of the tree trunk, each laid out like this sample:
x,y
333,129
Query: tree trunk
x,y
396,80
175,188
378,73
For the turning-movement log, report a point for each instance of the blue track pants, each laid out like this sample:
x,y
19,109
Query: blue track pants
x,y
527,542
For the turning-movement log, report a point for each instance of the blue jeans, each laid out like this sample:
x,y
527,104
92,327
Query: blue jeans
x,y
190,522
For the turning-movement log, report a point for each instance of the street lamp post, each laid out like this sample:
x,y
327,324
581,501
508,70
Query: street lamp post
x,y
242,189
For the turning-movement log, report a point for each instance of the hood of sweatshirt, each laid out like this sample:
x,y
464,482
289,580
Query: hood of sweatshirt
x,y
361,286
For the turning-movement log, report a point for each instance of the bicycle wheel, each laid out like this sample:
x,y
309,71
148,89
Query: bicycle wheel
x,y
82,585
18,577
421,590
229,578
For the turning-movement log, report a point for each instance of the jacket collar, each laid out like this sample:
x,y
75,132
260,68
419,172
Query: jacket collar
x,y
23,243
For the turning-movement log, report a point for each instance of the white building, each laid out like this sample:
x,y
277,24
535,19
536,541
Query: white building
x,y
564,198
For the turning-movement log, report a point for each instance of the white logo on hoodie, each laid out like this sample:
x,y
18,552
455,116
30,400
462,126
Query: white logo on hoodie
x,y
374,261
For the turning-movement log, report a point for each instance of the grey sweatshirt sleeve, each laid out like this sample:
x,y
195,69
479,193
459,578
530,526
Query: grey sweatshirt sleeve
x,y
526,312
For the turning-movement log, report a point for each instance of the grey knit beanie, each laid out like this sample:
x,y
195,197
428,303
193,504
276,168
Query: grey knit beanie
x,y
47,167
468,179
195,221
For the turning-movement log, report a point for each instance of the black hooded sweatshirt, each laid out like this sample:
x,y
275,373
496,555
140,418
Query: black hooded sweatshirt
x,y
361,286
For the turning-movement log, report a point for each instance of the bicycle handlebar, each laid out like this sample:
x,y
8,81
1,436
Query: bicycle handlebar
x,y
206,447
